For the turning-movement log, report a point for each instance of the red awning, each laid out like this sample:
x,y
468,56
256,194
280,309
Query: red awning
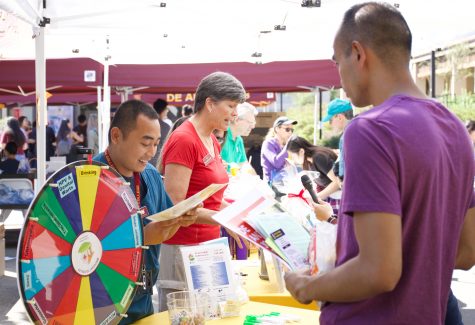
x,y
282,76
59,72
177,82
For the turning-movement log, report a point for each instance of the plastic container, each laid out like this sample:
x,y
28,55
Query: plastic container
x,y
187,307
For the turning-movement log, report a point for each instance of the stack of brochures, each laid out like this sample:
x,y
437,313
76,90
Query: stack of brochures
x,y
262,221
285,236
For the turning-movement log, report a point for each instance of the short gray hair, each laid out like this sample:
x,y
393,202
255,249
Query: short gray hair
x,y
244,109
219,86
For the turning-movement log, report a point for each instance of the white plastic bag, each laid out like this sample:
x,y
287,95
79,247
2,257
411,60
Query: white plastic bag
x,y
322,248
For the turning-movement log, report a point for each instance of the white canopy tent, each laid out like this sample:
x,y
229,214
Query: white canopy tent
x,y
190,31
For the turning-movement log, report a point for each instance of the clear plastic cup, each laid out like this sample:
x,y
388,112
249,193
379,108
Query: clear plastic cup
x,y
187,307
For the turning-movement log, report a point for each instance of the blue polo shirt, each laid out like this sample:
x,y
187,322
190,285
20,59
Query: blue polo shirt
x,y
155,199
233,149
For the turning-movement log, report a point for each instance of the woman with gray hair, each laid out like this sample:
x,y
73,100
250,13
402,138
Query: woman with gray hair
x,y
190,162
233,151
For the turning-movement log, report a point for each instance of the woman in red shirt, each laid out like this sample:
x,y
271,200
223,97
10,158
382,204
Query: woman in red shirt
x,y
190,162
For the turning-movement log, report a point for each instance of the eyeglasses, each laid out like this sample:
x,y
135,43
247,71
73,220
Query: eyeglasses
x,y
220,140
289,130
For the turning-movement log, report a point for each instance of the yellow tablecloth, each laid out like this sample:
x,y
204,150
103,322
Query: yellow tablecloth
x,y
308,317
264,291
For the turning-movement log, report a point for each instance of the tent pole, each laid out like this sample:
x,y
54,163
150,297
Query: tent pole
x,y
124,94
106,107
320,126
99,118
41,108
315,123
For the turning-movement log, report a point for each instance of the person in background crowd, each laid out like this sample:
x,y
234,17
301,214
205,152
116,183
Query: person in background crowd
x,y
340,113
81,131
187,110
92,134
25,126
79,139
232,150
311,157
162,109
220,136
10,164
406,219
160,106
190,162
254,155
64,141
13,133
133,138
471,131
50,143
274,148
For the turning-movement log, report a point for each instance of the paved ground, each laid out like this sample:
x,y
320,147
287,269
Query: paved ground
x,y
12,310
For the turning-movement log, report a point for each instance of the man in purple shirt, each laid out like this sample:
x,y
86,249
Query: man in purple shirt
x,y
407,217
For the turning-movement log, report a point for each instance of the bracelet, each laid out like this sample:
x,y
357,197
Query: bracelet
x,y
333,219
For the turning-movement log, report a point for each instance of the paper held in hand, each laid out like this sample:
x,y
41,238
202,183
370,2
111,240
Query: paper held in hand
x,y
188,204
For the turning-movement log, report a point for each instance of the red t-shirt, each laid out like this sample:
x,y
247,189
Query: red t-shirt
x,y
7,137
184,147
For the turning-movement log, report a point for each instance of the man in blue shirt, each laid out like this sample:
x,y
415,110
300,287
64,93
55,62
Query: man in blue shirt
x,y
133,138
340,113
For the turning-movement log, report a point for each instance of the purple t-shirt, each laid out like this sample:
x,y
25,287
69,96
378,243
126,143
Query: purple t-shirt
x,y
413,158
272,158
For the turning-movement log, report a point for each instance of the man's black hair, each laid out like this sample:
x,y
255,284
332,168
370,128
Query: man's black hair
x,y
82,118
160,105
11,148
125,117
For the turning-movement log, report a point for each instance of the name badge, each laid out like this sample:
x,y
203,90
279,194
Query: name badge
x,y
207,159
144,212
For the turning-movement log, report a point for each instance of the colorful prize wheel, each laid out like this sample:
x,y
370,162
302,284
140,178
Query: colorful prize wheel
x,y
80,251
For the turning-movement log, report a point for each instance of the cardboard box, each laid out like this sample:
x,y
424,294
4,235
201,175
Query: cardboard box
x,y
266,119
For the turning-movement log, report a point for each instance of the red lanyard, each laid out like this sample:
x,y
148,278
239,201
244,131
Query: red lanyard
x,y
136,176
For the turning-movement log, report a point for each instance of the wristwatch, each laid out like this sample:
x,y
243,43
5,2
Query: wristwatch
x,y
333,219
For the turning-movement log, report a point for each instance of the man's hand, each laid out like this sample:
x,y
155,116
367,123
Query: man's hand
x,y
189,217
297,284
